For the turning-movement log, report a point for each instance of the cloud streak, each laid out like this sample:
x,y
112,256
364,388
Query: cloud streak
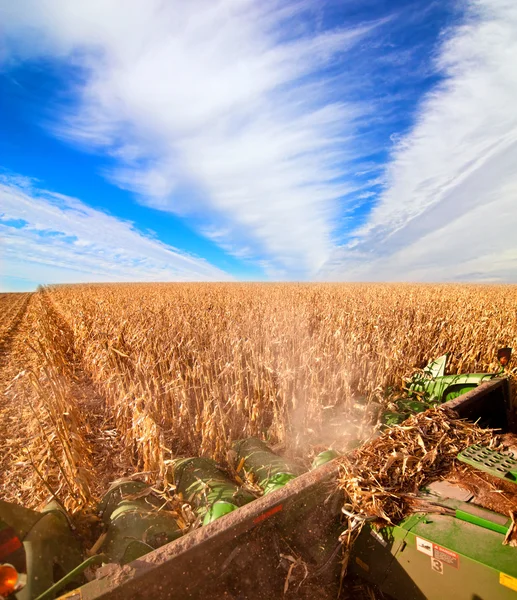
x,y
447,210
52,238
228,111
265,127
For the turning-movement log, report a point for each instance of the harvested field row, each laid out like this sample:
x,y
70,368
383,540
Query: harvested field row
x,y
12,309
147,372
57,437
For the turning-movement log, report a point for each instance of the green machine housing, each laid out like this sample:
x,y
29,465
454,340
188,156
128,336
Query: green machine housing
x,y
431,387
438,387
455,553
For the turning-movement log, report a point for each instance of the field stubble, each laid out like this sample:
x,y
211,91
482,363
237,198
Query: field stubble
x,y
122,378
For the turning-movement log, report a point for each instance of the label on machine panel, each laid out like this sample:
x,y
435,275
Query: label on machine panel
x,y
424,546
444,555
437,565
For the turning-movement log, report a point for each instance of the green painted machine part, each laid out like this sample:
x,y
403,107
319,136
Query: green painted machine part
x,y
467,511
495,463
432,387
482,518
438,387
218,510
136,521
448,387
271,471
458,551
208,488
436,556
71,577
41,547
324,457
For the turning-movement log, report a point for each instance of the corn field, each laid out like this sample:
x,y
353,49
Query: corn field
x,y
107,380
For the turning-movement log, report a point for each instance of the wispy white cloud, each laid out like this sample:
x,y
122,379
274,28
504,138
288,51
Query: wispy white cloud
x,y
52,238
232,112
215,108
448,209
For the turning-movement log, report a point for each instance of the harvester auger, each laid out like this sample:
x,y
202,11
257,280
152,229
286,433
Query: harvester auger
x,y
281,536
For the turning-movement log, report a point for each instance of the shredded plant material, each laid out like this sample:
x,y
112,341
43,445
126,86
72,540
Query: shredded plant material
x,y
381,478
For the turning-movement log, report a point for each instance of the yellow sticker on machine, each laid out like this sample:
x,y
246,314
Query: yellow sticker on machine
x,y
508,581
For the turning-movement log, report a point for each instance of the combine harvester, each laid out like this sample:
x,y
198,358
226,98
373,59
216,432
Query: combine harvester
x,y
285,543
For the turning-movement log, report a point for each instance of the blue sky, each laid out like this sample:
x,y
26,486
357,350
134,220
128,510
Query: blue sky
x,y
235,139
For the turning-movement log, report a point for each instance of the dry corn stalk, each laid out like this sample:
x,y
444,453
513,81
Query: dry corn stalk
x,y
185,369
381,479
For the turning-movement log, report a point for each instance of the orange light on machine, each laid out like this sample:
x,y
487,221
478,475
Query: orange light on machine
x,y
8,579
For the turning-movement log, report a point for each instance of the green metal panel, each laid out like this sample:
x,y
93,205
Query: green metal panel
x,y
466,561
435,557
455,391
51,551
374,552
467,511
218,510
436,368
436,389
21,519
495,463
324,457
500,526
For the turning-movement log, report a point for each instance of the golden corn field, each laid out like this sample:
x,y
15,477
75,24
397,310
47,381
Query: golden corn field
x,y
100,381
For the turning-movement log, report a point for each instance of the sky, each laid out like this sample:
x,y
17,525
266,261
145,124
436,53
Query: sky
x,y
220,140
